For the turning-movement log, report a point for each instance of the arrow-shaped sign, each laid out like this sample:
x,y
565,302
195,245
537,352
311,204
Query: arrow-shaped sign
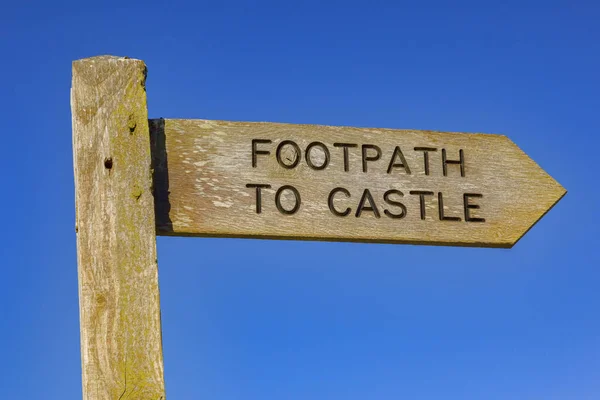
x,y
283,181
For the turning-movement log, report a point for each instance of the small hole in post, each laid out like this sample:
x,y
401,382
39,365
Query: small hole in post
x,y
108,163
131,123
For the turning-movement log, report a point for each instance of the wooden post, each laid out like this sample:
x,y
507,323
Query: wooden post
x,y
121,349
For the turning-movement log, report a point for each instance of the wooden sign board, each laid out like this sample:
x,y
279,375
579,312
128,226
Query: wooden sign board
x,y
283,181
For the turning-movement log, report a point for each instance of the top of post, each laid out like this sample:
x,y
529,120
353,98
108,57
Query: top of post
x,y
95,70
106,57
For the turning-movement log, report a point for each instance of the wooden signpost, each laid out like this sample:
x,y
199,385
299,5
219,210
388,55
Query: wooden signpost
x,y
138,178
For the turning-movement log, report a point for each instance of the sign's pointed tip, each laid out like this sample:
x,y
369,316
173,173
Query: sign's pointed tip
x,y
564,191
560,193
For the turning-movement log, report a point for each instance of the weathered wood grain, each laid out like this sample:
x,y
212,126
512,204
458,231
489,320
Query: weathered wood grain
x,y
202,169
121,347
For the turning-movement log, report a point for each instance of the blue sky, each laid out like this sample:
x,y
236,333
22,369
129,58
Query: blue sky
x,y
250,319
